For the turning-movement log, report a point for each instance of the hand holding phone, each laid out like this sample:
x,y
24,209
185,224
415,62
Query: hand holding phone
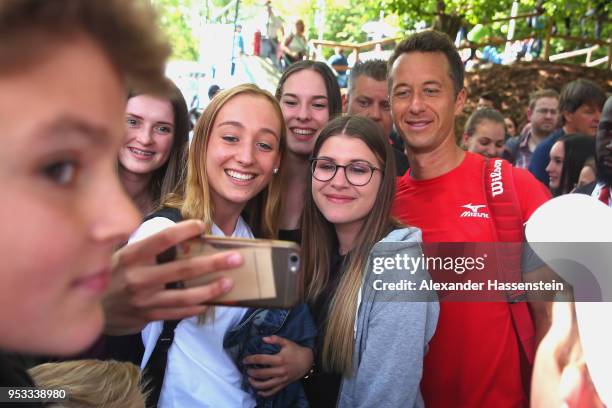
x,y
136,295
269,277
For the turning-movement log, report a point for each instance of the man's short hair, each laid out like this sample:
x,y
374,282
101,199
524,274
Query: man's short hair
x,y
125,30
375,69
581,92
491,96
213,90
433,41
542,93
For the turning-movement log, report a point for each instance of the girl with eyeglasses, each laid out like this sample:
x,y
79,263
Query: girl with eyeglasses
x,y
371,343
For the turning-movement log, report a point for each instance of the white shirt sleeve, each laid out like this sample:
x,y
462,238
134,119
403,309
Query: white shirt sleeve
x,y
150,227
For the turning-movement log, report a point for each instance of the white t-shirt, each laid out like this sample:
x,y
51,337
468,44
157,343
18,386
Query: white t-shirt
x,y
199,373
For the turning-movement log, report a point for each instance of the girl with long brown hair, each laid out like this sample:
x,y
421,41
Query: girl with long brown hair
x,y
309,97
370,352
152,158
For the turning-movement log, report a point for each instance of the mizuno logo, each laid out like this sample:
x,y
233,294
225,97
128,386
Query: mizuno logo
x,y
473,211
474,208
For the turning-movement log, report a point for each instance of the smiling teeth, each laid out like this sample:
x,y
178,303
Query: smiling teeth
x,y
239,176
303,131
142,152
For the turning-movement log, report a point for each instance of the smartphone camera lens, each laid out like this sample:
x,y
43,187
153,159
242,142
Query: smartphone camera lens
x,y
294,263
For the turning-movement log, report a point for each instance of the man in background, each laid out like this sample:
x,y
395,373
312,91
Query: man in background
x,y
543,115
603,150
580,105
488,100
368,95
270,35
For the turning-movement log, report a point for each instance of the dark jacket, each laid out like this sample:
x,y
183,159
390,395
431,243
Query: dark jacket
x,y
246,339
541,156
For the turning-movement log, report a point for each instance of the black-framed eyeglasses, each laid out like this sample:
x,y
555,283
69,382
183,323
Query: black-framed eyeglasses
x,y
356,173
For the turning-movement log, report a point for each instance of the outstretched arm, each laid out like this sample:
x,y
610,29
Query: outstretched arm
x,y
138,294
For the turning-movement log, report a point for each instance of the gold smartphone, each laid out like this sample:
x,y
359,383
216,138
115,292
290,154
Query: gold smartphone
x,y
269,277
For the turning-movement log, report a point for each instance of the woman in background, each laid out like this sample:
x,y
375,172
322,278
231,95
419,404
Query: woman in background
x,y
151,161
567,158
295,46
485,133
510,126
309,97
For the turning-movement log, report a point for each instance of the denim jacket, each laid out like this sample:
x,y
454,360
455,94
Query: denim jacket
x,y
246,338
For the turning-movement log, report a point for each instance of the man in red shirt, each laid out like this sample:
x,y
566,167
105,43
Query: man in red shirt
x,y
474,358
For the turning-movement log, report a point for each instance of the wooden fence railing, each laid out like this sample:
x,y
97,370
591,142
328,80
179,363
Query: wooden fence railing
x,y
589,45
354,47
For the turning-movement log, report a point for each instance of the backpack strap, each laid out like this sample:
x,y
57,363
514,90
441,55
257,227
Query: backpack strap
x,y
505,211
155,370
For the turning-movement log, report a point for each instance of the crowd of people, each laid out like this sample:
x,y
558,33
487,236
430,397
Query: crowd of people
x,y
557,144
100,178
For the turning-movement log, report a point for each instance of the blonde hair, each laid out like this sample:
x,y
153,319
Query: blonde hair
x,y
92,383
263,210
319,239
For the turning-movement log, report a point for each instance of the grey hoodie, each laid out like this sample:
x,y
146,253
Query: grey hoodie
x,y
391,334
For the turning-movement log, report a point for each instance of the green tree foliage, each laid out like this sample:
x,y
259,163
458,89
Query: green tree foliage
x,y
345,18
574,18
450,15
176,17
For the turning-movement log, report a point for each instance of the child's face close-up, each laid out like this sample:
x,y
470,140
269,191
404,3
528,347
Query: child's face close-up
x,y
64,210
243,150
